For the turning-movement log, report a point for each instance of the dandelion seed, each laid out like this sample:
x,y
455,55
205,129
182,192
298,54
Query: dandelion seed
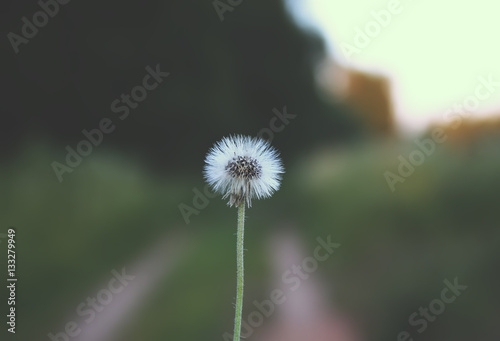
x,y
243,168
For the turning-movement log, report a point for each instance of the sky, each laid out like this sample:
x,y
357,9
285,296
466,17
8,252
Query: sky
x,y
438,55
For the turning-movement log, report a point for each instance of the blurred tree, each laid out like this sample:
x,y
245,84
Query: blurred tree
x,y
225,77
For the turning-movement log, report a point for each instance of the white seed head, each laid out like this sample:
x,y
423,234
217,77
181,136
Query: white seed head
x,y
243,168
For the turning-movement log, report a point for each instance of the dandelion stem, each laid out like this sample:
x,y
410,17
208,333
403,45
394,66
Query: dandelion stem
x,y
239,273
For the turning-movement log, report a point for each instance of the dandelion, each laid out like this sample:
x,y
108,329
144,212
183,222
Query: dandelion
x,y
242,168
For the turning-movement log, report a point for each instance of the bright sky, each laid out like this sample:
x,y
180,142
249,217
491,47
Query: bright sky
x,y
432,51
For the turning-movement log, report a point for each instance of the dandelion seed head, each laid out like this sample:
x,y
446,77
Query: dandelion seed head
x,y
243,168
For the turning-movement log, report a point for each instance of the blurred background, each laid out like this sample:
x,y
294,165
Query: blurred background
x,y
386,117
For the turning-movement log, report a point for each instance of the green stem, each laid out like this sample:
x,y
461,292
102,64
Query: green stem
x,y
239,273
